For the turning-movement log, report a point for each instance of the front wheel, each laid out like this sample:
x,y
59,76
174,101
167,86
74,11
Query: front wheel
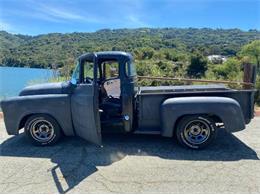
x,y
196,131
42,130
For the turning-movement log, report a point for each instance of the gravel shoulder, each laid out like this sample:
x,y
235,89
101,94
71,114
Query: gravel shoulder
x,y
132,164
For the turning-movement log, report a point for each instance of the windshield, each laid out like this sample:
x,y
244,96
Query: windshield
x,y
75,75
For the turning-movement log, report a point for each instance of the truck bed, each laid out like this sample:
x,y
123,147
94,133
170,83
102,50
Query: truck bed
x,y
149,100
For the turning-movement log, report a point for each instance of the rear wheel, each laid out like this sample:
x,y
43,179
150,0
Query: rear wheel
x,y
42,130
196,131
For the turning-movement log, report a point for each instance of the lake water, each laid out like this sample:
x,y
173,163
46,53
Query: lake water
x,y
13,80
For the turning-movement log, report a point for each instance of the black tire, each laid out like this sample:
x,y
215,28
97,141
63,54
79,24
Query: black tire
x,y
196,131
42,130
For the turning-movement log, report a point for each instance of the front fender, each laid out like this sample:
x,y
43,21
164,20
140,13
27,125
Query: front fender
x,y
55,105
227,109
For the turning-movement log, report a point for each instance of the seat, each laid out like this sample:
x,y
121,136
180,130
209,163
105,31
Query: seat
x,y
111,106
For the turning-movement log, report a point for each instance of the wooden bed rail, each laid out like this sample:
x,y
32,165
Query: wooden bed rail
x,y
249,78
247,84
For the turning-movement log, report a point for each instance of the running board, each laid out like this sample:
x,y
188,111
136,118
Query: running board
x,y
147,132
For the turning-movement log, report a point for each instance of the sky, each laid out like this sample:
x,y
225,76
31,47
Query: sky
x,y
33,17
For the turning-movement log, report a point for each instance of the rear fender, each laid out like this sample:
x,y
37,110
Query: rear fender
x,y
227,109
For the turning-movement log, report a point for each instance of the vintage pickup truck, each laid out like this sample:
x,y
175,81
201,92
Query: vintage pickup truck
x,y
102,96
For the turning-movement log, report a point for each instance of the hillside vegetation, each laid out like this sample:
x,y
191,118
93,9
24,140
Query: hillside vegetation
x,y
61,49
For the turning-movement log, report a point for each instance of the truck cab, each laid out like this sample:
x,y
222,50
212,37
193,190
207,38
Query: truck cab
x,y
102,96
112,77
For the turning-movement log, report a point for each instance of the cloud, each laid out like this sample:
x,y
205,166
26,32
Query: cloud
x,y
133,13
51,13
134,20
59,14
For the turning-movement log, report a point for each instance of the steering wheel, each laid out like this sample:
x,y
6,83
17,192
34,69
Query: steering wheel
x,y
88,80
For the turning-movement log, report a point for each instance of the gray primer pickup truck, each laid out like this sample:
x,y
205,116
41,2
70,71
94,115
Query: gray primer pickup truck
x,y
102,96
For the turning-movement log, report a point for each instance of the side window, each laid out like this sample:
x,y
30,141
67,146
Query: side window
x,y
111,69
130,69
88,70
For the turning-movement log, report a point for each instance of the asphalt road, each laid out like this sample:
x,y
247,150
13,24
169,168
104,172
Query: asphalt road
x,y
132,164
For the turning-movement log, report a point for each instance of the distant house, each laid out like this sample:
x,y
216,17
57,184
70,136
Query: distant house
x,y
217,59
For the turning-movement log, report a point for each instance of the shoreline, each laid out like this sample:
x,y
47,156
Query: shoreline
x,y
24,67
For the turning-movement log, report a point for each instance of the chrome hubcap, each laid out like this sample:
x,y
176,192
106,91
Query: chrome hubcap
x,y
42,130
197,132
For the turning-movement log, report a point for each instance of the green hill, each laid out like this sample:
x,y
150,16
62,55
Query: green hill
x,y
173,43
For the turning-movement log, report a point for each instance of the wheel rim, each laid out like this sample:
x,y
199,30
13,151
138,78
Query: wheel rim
x,y
197,132
42,130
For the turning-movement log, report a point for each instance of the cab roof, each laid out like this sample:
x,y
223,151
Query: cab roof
x,y
105,55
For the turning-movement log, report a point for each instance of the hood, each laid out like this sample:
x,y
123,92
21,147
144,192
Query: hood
x,y
47,88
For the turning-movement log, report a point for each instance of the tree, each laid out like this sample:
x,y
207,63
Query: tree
x,y
147,53
253,50
229,70
197,66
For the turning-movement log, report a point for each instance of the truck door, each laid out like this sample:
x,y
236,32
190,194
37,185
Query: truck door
x,y
128,92
84,106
